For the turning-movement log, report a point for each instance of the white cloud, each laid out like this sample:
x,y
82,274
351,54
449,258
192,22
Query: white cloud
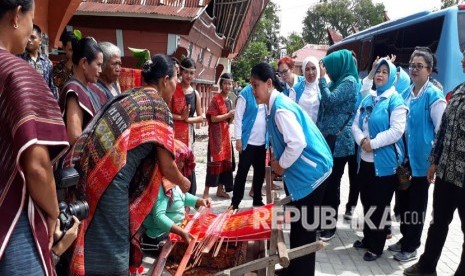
x,y
293,12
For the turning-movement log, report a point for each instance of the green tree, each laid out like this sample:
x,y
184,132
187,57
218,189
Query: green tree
x,y
255,52
448,3
267,29
344,16
293,43
263,45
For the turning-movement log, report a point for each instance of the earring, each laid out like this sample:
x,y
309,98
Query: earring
x,y
15,26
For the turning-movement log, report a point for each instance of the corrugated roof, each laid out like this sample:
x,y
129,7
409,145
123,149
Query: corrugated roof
x,y
180,10
318,51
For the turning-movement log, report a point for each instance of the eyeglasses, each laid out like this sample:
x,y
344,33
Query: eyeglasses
x,y
283,72
417,67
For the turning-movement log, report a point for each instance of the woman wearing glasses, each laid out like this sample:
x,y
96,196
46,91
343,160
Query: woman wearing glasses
x,y
446,171
286,73
426,105
378,125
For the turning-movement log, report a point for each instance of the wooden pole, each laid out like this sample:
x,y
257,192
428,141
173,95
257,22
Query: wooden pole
x,y
272,260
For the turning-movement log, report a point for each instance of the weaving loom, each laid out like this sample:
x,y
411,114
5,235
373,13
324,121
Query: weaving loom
x,y
220,241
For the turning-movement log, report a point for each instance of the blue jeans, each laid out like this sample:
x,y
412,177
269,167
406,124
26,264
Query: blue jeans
x,y
21,256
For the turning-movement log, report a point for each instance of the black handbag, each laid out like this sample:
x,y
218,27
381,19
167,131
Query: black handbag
x,y
331,138
403,170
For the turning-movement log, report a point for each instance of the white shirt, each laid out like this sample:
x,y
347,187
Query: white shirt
x,y
292,132
309,100
397,123
436,109
367,84
257,135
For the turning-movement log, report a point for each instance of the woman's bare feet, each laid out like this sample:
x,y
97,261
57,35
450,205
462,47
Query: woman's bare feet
x,y
221,193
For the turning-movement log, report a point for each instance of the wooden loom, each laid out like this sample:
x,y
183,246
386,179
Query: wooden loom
x,y
214,237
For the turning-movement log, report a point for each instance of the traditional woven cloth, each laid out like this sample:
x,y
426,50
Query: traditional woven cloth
x,y
129,78
129,120
178,103
29,115
219,138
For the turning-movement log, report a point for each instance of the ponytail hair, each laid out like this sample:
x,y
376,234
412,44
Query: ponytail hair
x,y
264,71
428,55
85,48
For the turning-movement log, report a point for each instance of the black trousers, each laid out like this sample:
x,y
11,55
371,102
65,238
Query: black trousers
x,y
354,189
446,198
193,180
301,235
376,195
412,205
332,195
252,156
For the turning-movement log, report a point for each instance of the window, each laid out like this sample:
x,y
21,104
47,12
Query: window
x,y
403,40
461,30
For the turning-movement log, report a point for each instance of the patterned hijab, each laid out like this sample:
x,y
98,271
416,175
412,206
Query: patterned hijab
x,y
340,65
392,75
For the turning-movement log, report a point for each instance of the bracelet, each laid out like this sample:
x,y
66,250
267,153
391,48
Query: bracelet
x,y
55,257
363,140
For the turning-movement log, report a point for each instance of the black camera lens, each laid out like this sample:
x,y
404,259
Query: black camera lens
x,y
80,209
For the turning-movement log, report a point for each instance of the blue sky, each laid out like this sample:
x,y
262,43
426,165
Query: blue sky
x,y
293,11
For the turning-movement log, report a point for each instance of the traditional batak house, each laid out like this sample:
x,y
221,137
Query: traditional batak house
x,y
52,16
212,32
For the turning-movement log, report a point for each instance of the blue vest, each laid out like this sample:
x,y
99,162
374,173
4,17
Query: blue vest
x,y
421,129
250,114
299,80
314,164
379,121
299,91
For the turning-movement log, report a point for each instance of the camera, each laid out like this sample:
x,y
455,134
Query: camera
x,y
80,209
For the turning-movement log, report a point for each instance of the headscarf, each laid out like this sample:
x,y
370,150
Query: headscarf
x,y
402,82
313,60
340,65
391,77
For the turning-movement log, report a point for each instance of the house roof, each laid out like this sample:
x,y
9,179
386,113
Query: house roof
x,y
318,51
187,10
236,21
334,37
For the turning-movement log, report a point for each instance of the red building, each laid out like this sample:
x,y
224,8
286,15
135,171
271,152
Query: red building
x,y
53,16
209,31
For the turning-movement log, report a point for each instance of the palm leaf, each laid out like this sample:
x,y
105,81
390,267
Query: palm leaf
x,y
142,55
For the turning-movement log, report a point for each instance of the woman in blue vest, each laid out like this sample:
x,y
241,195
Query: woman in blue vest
x,y
446,171
426,105
307,93
286,73
337,105
378,127
250,134
301,155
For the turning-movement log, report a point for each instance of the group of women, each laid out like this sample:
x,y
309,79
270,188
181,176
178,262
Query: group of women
x,y
394,124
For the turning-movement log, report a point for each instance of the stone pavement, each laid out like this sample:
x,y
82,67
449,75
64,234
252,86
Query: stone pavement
x,y
339,257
